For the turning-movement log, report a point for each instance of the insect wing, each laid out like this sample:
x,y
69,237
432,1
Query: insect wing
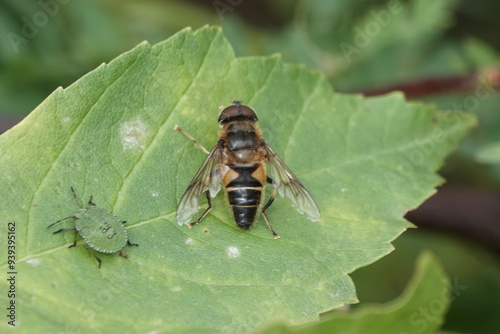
x,y
290,187
207,178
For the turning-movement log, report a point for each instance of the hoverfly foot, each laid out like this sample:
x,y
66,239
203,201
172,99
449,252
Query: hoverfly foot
x,y
190,225
276,236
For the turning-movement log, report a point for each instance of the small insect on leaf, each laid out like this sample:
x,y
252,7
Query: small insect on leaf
x,y
243,162
101,230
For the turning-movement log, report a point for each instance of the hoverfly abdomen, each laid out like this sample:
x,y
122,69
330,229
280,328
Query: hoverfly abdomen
x,y
244,196
244,216
243,176
244,190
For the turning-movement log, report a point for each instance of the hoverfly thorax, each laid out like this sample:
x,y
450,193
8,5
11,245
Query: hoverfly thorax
x,y
240,132
241,138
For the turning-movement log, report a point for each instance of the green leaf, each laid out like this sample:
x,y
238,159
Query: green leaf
x,y
398,36
420,309
110,135
489,153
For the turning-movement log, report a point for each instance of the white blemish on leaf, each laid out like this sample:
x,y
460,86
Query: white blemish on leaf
x,y
34,262
189,241
133,134
155,194
176,288
233,252
343,189
65,120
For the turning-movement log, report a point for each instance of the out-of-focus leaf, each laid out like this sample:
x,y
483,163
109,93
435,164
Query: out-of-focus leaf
x,y
489,154
420,309
474,277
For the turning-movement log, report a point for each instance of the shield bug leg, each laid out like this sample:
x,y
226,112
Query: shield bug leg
x,y
268,204
197,143
64,229
122,254
74,242
98,260
90,201
131,244
91,252
207,193
128,241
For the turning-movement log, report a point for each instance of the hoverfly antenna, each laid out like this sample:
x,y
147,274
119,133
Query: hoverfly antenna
x,y
237,103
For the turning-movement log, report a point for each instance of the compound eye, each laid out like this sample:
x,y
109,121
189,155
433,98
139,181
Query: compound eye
x,y
228,113
237,111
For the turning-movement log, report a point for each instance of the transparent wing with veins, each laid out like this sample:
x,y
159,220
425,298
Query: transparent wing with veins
x,y
289,186
207,178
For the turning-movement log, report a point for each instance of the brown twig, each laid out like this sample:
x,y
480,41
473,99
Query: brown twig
x,y
489,77
469,212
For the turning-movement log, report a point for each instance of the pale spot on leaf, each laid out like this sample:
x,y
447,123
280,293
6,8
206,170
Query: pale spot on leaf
x,y
65,120
233,252
34,262
134,134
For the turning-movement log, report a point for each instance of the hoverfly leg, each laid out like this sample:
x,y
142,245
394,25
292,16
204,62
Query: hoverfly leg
x,y
197,143
268,204
207,193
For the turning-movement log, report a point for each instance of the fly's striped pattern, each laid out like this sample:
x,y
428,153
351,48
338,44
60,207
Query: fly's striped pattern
x,y
243,162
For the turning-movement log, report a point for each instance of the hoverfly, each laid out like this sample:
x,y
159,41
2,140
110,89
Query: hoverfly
x,y
238,160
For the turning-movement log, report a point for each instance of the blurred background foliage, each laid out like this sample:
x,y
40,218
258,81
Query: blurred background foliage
x,y
441,52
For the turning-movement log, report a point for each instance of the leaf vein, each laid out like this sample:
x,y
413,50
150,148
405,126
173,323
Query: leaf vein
x,y
161,127
64,147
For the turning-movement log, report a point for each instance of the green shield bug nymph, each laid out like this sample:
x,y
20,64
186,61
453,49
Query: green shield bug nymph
x,y
100,229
